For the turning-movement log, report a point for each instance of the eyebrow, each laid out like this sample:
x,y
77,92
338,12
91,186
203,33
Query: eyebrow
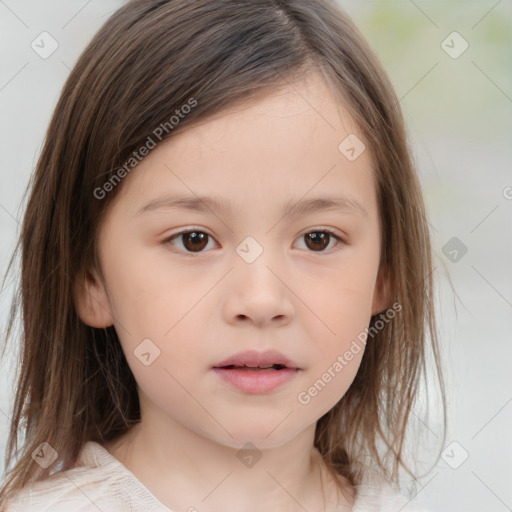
x,y
204,204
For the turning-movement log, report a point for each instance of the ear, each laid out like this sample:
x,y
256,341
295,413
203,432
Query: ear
x,y
382,293
91,300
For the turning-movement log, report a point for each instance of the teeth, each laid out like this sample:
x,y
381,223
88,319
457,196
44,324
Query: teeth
x,y
261,366
273,366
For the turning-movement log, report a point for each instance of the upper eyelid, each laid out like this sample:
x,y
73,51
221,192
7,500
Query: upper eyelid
x,y
334,231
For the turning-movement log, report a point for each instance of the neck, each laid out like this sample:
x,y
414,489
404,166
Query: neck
x,y
187,471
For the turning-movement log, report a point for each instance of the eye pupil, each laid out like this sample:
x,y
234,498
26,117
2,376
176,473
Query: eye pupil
x,y
195,240
320,240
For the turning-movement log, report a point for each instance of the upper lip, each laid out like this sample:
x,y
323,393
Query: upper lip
x,y
256,358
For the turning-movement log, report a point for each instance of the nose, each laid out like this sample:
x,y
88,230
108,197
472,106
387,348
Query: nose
x,y
258,293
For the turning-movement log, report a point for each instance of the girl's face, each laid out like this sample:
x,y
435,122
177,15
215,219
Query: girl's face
x,y
259,273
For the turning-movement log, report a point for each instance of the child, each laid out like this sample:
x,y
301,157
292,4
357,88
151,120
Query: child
x,y
226,273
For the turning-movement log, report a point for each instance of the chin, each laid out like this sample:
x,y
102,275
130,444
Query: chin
x,y
263,436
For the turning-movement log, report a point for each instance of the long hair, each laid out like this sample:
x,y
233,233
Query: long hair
x,y
148,60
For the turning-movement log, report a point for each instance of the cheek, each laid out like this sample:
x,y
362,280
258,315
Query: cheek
x,y
159,316
150,293
166,389
341,298
337,354
338,331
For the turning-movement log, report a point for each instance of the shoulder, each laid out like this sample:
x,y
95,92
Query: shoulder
x,y
98,482
375,494
68,490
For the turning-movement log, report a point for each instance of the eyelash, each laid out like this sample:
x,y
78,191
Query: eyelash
x,y
167,241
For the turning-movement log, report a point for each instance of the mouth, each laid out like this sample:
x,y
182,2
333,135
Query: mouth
x,y
254,360
256,372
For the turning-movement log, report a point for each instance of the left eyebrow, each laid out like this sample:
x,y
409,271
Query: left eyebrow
x,y
205,204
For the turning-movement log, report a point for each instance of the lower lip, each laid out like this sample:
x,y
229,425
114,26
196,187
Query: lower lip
x,y
258,381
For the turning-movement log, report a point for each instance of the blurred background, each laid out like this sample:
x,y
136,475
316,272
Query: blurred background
x,y
451,65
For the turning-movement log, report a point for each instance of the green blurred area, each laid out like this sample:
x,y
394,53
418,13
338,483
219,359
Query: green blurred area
x,y
474,88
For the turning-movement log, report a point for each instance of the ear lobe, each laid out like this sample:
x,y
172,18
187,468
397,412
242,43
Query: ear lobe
x,y
92,304
383,293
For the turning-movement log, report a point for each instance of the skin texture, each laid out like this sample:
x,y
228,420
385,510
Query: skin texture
x,y
199,309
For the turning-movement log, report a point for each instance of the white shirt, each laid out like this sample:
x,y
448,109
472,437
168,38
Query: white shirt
x,y
101,483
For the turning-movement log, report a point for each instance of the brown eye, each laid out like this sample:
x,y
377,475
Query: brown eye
x,y
318,241
193,241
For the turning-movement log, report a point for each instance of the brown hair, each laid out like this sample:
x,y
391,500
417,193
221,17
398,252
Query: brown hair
x,y
150,58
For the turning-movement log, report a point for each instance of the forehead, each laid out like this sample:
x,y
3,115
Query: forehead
x,y
282,146
298,112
